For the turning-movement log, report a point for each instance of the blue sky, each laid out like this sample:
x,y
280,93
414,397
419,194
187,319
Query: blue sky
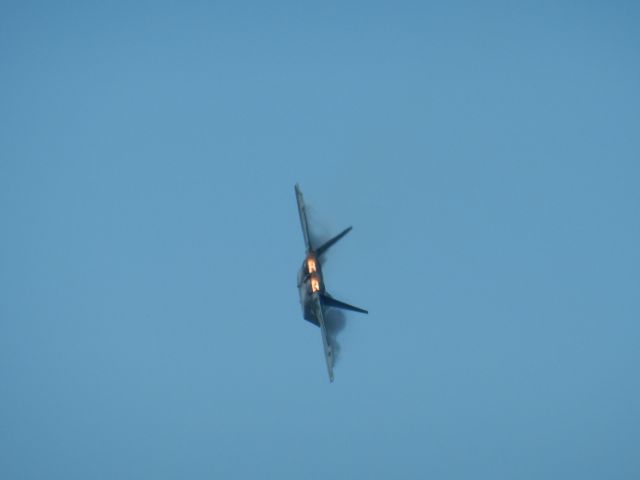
x,y
487,157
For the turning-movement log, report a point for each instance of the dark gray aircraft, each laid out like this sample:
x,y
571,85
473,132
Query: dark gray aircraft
x,y
313,296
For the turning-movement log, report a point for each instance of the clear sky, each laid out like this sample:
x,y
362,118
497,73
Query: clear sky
x,y
486,155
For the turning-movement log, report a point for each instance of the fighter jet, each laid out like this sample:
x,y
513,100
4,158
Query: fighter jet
x,y
313,295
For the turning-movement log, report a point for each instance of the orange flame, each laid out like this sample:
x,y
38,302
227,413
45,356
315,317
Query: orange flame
x,y
311,265
315,284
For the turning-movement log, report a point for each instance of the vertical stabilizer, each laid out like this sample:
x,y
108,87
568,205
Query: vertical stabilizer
x,y
327,245
329,301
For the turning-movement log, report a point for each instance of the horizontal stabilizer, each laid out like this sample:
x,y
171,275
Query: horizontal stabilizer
x,y
329,301
326,246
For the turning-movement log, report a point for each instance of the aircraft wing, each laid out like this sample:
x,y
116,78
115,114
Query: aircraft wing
x,y
328,352
303,218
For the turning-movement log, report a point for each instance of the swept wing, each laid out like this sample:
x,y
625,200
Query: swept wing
x,y
302,211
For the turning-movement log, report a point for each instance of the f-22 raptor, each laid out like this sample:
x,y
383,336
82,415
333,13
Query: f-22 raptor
x,y
313,295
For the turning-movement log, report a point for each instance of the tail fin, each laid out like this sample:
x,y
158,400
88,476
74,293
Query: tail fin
x,y
326,246
329,301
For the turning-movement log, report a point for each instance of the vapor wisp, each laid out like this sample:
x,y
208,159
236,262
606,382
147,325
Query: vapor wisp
x,y
335,321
